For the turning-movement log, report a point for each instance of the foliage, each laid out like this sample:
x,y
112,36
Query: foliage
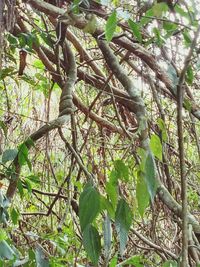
x,y
99,182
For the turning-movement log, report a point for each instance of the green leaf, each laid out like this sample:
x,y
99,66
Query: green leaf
x,y
135,29
28,185
181,11
122,170
3,235
156,146
14,215
89,205
170,264
23,156
142,194
41,258
172,75
112,191
187,104
159,8
135,260
150,175
123,220
6,72
9,155
161,125
3,126
187,38
106,205
20,188
91,25
92,243
159,39
34,179
189,75
113,262
6,252
111,25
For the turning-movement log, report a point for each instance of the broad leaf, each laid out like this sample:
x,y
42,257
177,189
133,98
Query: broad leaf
x,y
159,8
150,175
14,214
135,29
111,25
23,156
92,243
113,262
122,170
135,261
112,191
106,205
9,155
6,252
156,146
142,193
89,205
41,258
123,220
173,76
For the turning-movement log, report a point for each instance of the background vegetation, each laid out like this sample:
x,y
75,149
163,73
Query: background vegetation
x,y
99,133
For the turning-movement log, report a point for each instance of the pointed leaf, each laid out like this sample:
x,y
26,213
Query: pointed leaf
x,y
41,258
123,220
92,243
150,175
6,252
9,155
111,25
111,190
135,29
156,146
14,216
135,261
142,194
122,171
89,205
159,8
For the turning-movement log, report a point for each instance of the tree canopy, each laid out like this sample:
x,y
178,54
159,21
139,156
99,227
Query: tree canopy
x,y
99,131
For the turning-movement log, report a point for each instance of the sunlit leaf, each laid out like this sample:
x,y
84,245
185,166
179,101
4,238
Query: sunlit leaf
x,y
156,146
111,25
135,29
159,8
135,261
